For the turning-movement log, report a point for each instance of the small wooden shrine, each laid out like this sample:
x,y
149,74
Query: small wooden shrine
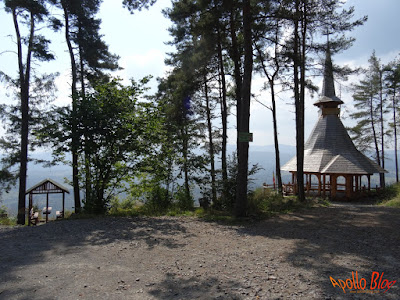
x,y
47,186
329,153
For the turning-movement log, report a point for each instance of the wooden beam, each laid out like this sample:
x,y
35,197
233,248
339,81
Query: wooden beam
x,y
47,207
333,185
63,205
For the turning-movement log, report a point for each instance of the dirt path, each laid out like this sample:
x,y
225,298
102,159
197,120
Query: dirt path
x,y
287,257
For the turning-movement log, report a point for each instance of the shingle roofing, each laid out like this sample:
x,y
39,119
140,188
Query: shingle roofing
x,y
330,149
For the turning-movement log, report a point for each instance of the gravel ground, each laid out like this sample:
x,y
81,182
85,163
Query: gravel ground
x,y
289,256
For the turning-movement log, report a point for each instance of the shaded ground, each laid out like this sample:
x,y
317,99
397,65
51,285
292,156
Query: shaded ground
x,y
286,257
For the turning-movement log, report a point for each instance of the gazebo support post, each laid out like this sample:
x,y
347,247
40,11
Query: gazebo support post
x,y
47,207
63,205
356,179
30,208
349,186
319,184
324,185
333,186
369,182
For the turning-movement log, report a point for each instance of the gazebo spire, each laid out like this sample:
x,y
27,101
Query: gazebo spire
x,y
328,88
328,95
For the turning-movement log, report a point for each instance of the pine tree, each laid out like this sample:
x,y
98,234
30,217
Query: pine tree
x,y
392,85
369,133
31,47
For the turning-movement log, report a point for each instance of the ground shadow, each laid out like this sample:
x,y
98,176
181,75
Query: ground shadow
x,y
21,247
174,287
367,236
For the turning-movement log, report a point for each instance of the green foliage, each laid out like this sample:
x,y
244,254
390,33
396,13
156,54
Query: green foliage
x,y
117,129
4,219
228,201
8,221
389,196
133,5
264,202
3,210
158,200
183,200
126,207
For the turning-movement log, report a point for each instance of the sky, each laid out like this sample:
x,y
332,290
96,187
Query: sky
x,y
140,39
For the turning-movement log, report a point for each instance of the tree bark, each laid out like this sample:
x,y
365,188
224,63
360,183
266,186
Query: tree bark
x,y
243,154
276,142
185,162
235,56
24,78
211,144
382,175
74,129
298,67
395,134
371,113
224,118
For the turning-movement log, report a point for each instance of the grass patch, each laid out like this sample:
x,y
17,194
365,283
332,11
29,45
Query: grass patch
x,y
392,203
390,196
264,203
261,204
8,221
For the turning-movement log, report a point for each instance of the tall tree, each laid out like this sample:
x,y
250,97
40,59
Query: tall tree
x,y
392,84
369,133
270,63
35,46
183,126
90,60
244,112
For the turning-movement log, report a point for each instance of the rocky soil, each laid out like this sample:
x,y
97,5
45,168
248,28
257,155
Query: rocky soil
x,y
289,256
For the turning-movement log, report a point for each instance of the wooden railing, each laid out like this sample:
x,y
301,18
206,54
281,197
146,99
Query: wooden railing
x,y
290,189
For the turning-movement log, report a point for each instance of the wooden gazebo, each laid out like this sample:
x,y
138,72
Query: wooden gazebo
x,y
47,186
329,152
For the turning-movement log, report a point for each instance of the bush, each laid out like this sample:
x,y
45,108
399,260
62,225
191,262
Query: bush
x,y
158,200
263,202
183,199
390,196
126,207
3,211
4,219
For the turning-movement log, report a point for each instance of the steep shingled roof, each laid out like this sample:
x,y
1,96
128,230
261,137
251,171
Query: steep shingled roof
x,y
330,149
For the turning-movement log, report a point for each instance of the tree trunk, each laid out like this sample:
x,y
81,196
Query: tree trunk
x,y
298,66
185,163
235,56
24,78
371,114
211,144
395,135
276,143
382,175
224,118
271,81
74,137
243,154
